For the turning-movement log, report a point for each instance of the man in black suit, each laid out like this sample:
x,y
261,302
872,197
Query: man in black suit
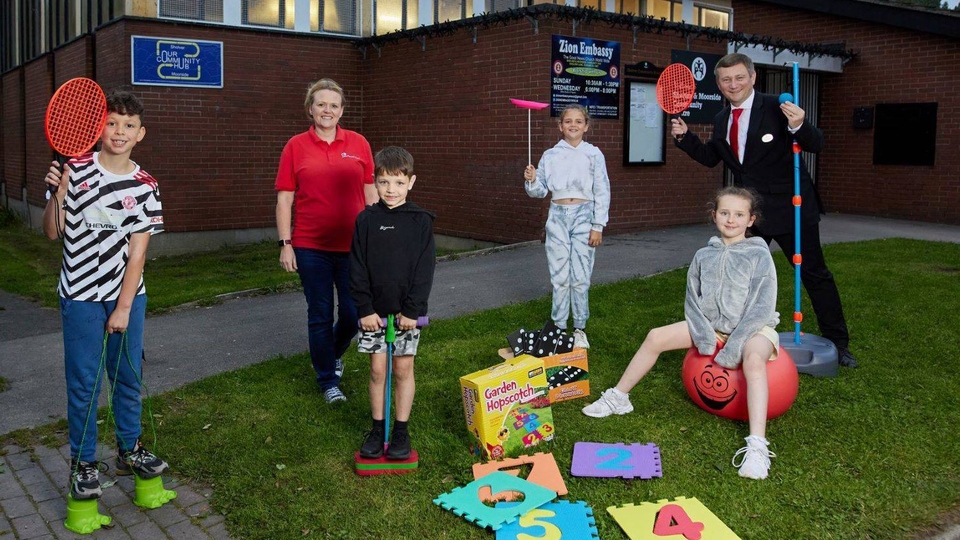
x,y
753,137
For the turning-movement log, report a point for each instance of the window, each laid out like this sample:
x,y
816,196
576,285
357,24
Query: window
x,y
393,15
633,7
449,10
278,13
905,134
592,4
711,18
9,37
503,5
339,16
198,10
671,10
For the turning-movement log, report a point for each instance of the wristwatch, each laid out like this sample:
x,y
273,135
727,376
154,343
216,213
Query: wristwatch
x,y
282,243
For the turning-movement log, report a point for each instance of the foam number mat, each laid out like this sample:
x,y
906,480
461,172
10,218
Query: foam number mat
x,y
605,460
465,501
560,520
543,472
679,519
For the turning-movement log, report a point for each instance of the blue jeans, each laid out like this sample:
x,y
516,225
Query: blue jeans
x,y
321,271
83,326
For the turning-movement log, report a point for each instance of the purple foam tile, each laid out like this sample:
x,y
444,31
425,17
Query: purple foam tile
x,y
616,460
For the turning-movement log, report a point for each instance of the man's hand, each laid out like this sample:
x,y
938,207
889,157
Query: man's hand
x,y
288,259
678,128
794,114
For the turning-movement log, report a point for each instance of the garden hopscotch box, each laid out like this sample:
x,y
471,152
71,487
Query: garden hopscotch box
x,y
507,407
568,375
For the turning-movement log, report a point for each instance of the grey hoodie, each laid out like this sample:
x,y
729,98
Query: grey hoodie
x,y
730,289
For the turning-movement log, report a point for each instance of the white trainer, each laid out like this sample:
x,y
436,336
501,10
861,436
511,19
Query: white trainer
x,y
754,458
609,403
580,339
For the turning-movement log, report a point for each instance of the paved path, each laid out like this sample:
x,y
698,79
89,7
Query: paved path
x,y
195,343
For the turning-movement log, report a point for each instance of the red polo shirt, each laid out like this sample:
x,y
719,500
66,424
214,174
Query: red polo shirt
x,y
328,179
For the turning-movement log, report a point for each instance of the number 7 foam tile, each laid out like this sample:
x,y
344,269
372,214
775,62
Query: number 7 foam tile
x,y
557,520
465,501
544,472
605,460
680,519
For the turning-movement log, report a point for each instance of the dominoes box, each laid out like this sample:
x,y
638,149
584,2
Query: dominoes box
x,y
507,407
568,374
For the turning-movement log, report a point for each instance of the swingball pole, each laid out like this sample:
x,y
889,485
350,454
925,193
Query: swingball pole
x,y
529,106
816,356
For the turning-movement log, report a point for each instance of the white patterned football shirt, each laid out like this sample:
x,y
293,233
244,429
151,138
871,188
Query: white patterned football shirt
x,y
101,211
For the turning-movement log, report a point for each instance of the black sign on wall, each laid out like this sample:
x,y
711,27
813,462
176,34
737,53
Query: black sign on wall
x,y
585,71
708,100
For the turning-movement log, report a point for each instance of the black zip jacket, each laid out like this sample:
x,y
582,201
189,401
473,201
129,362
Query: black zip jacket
x,y
392,260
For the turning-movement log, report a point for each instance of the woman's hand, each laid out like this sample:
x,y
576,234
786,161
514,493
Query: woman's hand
x,y
288,259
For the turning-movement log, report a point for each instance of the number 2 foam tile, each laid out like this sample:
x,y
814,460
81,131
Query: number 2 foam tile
x,y
605,460
544,472
465,501
559,520
680,519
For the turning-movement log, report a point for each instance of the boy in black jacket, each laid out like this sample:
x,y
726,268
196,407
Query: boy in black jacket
x,y
391,271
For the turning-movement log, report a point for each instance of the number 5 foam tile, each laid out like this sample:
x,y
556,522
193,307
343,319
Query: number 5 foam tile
x,y
605,460
544,472
465,501
560,520
680,519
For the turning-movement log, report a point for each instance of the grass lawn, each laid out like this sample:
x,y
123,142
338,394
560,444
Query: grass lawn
x,y
30,267
865,455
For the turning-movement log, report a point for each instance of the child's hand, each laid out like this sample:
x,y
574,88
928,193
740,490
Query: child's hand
x,y
118,321
596,238
405,323
371,323
59,179
530,173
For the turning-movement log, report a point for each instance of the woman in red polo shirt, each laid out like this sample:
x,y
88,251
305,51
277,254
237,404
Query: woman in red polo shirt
x,y
326,173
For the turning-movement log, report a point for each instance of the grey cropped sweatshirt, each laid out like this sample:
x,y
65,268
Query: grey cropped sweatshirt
x,y
730,289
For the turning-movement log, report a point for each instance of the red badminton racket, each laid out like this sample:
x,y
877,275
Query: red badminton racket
x,y
675,89
75,118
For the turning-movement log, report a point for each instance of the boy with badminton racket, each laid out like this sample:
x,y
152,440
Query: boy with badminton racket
x,y
110,208
392,260
575,173
753,136
731,302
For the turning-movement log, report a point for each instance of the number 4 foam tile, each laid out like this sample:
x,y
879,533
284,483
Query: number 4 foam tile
x,y
557,520
680,519
466,502
544,472
604,460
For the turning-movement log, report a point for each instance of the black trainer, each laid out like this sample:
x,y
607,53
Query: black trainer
x,y
846,358
399,447
373,445
140,461
85,480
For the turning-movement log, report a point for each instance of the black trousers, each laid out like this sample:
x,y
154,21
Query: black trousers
x,y
818,281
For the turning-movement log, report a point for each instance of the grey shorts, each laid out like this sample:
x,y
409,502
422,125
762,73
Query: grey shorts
x,y
375,342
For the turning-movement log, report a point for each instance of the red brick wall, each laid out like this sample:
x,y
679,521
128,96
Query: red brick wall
x,y
12,127
449,106
38,83
894,66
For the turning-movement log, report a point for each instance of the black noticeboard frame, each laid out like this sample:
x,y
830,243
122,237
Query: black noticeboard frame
x,y
644,124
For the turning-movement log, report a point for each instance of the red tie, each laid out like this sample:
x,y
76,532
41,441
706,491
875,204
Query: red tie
x,y
734,133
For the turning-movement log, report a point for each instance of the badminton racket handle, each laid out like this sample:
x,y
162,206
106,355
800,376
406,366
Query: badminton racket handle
x,y
61,160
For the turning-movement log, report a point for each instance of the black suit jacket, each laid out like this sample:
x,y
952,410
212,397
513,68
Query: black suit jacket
x,y
767,162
